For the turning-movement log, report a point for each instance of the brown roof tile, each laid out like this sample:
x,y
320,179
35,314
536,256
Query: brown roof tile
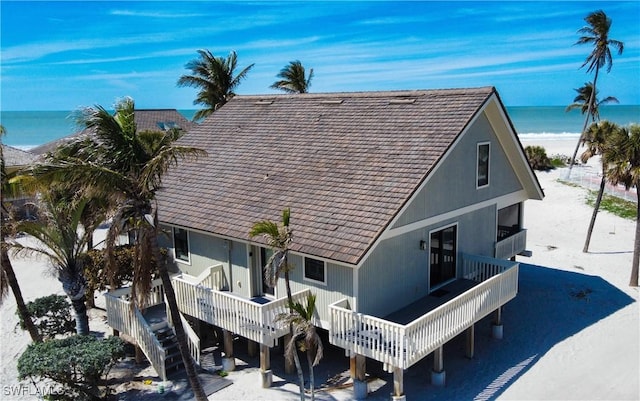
x,y
345,163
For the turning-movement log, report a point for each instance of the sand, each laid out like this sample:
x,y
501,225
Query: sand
x,y
572,333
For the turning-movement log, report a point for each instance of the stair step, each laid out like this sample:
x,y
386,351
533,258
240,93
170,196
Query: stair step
x,y
174,365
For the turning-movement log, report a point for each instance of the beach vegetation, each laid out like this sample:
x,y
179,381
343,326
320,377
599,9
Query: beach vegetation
x,y
293,78
51,316
60,239
614,205
128,166
78,364
538,159
216,79
596,34
8,278
278,238
622,163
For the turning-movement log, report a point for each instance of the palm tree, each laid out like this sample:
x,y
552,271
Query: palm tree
x,y
279,237
61,241
581,101
293,79
622,159
305,337
597,139
597,34
130,165
216,79
7,275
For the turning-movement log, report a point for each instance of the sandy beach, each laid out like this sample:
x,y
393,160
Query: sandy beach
x,y
572,333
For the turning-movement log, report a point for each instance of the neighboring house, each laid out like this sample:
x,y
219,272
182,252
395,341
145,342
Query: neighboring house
x,y
406,211
16,159
146,120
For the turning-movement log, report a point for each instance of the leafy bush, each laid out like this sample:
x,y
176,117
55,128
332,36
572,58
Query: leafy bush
x,y
538,159
95,265
51,315
79,364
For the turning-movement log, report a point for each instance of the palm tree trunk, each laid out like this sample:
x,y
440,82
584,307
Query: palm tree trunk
x,y
596,208
296,359
586,122
311,378
82,320
23,312
633,281
181,337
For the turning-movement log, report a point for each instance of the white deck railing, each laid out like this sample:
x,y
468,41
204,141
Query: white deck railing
x,y
231,312
397,345
511,245
122,316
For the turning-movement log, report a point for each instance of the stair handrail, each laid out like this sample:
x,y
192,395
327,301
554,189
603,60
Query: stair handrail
x,y
192,339
149,343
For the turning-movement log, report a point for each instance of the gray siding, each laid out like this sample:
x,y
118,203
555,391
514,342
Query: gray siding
x,y
396,273
453,185
339,285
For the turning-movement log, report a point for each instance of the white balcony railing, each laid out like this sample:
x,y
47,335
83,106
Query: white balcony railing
x,y
239,315
397,345
511,245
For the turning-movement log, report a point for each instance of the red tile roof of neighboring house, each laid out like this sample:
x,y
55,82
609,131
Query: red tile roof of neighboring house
x,y
345,163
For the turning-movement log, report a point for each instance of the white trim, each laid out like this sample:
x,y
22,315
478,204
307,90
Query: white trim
x,y
478,145
173,240
356,288
455,273
304,271
508,199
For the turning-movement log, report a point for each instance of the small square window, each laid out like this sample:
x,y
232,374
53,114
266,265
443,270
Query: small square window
x,y
181,244
314,269
482,172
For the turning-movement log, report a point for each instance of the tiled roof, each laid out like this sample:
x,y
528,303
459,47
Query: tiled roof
x,y
14,157
146,120
345,163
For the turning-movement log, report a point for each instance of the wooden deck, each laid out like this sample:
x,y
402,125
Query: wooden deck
x,y
432,301
404,337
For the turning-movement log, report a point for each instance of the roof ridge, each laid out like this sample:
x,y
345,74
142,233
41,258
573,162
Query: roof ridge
x,y
370,94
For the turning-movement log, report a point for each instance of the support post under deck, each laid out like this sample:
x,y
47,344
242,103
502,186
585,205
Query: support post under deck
x,y
228,360
265,366
438,374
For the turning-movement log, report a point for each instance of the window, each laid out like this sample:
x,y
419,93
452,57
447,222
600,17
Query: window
x,y
314,270
181,244
482,174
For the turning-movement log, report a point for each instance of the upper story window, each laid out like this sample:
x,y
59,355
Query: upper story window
x,y
181,244
482,172
315,270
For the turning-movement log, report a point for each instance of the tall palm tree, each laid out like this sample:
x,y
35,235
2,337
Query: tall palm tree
x,y
582,99
130,165
7,275
60,240
305,337
596,139
293,78
279,237
596,33
216,79
622,159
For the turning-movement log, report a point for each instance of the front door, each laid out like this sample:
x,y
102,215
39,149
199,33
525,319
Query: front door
x,y
265,254
442,256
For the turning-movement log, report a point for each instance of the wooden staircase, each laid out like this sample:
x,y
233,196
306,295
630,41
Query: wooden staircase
x,y
173,363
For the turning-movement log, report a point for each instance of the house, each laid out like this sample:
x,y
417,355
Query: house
x,y
15,160
406,210
146,120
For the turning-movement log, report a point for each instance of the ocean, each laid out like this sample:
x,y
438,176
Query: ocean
x,y
26,129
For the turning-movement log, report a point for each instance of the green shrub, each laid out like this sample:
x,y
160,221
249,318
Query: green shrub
x,y
51,315
538,159
79,364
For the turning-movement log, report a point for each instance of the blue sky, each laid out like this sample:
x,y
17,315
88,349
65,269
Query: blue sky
x,y
63,55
